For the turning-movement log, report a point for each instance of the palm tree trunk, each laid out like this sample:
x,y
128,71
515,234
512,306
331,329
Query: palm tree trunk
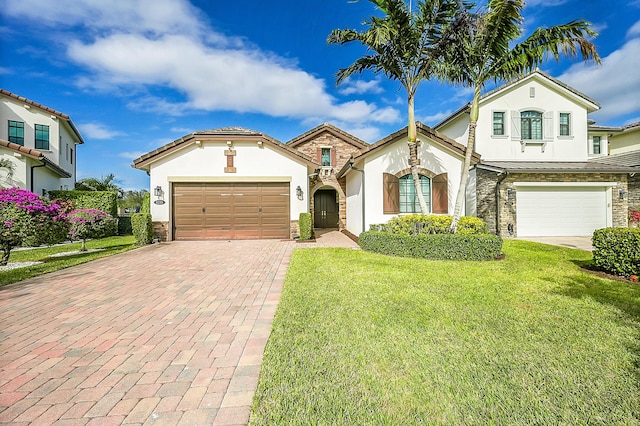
x,y
84,245
471,141
413,154
6,251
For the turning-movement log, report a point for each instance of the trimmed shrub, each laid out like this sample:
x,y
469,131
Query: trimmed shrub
x,y
617,250
100,200
91,223
146,204
415,224
142,228
304,225
124,225
433,246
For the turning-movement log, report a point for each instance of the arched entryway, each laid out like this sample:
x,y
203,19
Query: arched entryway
x,y
325,211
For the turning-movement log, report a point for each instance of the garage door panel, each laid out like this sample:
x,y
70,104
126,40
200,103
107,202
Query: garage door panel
x,y
560,211
242,210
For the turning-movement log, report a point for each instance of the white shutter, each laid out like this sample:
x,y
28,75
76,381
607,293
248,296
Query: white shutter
x,y
515,126
547,126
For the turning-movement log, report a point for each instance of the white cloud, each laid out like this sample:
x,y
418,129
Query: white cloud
x,y
97,131
431,120
183,130
615,84
131,155
359,87
634,30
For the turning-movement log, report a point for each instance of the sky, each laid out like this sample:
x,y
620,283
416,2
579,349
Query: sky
x,y
134,75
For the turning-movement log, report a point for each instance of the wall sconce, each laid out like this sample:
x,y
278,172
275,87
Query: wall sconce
x,y
511,194
299,193
158,192
621,193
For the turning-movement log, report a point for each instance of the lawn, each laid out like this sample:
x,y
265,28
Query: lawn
x,y
361,338
107,246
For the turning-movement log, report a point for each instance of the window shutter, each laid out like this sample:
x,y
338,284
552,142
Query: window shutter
x,y
515,126
390,194
547,126
440,194
333,157
319,155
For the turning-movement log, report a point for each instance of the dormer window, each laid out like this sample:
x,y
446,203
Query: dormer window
x,y
326,157
531,125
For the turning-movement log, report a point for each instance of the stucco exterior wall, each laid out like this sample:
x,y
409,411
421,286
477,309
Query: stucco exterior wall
x,y
354,195
626,141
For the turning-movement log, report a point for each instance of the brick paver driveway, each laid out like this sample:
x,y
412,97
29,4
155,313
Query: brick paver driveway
x,y
166,334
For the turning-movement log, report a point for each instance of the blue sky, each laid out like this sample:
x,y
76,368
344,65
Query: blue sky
x,y
136,74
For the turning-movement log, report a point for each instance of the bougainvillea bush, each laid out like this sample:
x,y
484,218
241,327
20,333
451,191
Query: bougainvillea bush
x,y
28,219
91,223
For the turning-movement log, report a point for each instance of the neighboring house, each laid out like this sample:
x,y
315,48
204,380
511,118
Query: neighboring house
x,y
235,183
626,139
536,177
41,143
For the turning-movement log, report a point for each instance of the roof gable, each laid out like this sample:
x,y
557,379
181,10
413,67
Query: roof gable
x,y
326,127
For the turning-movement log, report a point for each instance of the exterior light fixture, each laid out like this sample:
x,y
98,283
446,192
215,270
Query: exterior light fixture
x,y
510,194
621,193
299,193
158,191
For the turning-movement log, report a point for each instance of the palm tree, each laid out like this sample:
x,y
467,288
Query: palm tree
x,y
488,53
8,166
104,183
405,46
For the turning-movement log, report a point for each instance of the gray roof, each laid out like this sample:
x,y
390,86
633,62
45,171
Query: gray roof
x,y
628,159
557,167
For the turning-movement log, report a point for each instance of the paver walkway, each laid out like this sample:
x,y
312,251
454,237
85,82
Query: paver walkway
x,y
171,333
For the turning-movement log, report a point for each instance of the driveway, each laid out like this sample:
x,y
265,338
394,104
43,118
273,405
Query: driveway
x,y
582,243
171,333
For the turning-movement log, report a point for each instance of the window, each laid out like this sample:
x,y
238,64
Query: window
x,y
326,157
498,123
565,124
531,125
71,155
42,136
409,202
16,132
596,144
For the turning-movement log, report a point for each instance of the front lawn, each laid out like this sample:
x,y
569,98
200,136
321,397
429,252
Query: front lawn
x,y
51,262
361,338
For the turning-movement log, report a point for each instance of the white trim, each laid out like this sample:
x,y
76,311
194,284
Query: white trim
x,y
574,184
229,179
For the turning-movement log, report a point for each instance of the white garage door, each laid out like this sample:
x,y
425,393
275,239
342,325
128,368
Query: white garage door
x,y
560,211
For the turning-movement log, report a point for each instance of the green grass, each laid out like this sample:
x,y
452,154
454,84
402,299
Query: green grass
x,y
110,246
361,338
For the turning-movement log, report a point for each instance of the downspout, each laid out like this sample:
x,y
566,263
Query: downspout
x,y
363,192
32,174
504,176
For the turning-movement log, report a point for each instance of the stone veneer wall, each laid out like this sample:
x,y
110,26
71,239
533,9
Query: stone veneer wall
x,y
486,205
634,192
330,182
295,229
161,231
326,139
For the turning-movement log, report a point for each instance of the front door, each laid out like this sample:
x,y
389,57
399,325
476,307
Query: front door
x,y
325,209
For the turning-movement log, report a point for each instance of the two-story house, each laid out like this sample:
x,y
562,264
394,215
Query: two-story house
x,y
536,177
40,142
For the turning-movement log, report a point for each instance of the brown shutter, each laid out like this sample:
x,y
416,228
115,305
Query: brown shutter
x,y
390,194
440,194
333,157
319,155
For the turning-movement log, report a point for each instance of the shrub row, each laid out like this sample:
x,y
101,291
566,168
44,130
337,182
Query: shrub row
x,y
415,224
142,228
617,250
100,200
304,225
433,246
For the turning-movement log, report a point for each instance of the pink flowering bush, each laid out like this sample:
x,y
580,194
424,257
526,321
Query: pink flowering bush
x,y
634,217
28,219
91,223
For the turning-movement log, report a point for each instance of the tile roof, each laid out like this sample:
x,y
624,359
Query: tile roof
x,y
327,127
628,159
35,155
557,167
45,109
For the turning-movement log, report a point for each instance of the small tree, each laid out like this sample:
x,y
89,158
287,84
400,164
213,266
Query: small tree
x,y
27,218
91,223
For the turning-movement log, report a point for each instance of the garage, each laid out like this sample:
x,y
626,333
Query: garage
x,y
560,210
230,210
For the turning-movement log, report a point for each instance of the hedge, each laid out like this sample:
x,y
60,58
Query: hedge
x,y
146,203
433,246
617,250
414,224
142,228
101,200
304,225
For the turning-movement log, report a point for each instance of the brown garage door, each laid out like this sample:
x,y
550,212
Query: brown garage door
x,y
241,210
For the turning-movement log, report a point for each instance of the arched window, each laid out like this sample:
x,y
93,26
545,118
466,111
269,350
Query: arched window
x,y
531,125
408,199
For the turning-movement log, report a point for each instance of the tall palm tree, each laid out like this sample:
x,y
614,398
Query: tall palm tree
x,y
488,53
405,46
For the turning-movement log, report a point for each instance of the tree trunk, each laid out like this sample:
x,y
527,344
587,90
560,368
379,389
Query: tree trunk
x,y
84,245
471,141
6,251
413,154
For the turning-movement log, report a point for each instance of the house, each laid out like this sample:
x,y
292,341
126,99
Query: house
x,y
235,183
41,143
540,173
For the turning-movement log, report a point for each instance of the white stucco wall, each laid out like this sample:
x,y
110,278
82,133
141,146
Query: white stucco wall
x,y
394,158
538,94
207,163
354,202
